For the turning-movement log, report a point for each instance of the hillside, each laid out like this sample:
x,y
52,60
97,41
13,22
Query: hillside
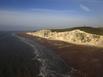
x,y
98,31
87,36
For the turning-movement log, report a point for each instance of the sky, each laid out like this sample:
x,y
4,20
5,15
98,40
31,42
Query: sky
x,y
34,14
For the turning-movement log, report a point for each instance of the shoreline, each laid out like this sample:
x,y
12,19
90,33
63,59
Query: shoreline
x,y
51,64
87,59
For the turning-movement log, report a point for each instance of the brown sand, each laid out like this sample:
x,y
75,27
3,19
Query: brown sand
x,y
87,60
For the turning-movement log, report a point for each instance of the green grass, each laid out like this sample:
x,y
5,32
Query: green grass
x,y
98,31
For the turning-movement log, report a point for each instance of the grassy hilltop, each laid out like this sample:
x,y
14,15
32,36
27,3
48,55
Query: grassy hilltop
x,y
92,30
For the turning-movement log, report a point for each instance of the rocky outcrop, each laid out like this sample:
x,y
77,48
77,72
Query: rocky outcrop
x,y
75,36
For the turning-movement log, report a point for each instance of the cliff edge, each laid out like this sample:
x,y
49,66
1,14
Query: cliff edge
x,y
76,36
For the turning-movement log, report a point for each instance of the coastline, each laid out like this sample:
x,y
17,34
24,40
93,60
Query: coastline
x,y
51,64
86,59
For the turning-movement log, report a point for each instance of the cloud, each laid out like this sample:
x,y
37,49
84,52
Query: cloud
x,y
41,18
52,11
85,8
34,17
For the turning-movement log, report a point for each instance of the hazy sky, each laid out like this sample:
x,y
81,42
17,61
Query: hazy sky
x,y
31,14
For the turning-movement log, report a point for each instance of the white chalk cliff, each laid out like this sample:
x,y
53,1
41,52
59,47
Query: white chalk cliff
x,y
75,36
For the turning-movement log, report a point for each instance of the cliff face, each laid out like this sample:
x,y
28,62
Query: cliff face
x,y
75,36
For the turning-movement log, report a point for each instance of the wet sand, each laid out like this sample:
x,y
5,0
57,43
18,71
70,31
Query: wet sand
x,y
87,60
51,64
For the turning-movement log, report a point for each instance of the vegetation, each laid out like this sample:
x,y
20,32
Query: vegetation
x,y
98,31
